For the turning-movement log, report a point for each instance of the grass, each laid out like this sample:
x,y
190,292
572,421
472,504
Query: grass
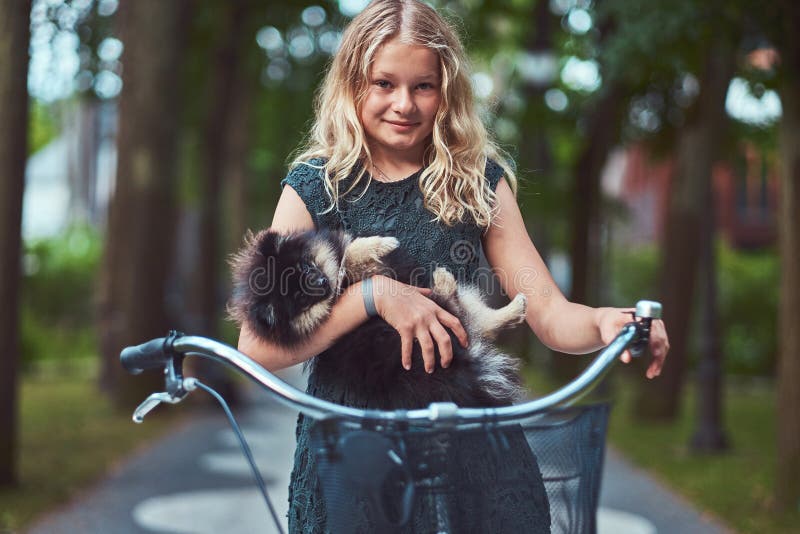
x,y
70,436
735,486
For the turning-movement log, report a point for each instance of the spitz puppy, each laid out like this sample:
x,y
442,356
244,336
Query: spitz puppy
x,y
284,286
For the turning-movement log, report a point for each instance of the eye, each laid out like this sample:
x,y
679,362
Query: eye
x,y
383,84
426,86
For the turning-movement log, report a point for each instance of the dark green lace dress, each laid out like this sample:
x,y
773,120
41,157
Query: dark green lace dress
x,y
499,487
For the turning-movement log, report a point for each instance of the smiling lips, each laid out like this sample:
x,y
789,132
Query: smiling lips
x,y
402,125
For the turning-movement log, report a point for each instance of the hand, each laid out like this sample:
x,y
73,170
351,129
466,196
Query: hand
x,y
409,310
610,322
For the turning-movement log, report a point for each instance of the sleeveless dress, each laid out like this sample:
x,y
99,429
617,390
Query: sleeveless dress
x,y
499,487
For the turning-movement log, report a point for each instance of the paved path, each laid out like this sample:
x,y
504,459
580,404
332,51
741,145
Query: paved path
x,y
196,481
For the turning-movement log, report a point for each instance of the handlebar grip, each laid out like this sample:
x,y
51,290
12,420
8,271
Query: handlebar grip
x,y
150,355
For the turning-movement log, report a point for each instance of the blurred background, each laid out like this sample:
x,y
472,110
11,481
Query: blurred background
x,y
657,147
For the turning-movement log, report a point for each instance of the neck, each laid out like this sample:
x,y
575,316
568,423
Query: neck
x,y
396,165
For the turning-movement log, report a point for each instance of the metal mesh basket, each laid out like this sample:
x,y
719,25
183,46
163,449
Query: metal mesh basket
x,y
479,480
570,446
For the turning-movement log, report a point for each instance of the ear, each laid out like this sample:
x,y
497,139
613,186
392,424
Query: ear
x,y
268,242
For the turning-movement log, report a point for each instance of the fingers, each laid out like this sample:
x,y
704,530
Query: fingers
x,y
406,346
659,347
420,320
445,345
430,333
451,321
428,350
652,371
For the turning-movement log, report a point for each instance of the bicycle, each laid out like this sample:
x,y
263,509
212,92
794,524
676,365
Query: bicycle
x,y
364,453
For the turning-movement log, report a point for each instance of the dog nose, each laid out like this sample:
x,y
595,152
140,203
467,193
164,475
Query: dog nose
x,y
318,280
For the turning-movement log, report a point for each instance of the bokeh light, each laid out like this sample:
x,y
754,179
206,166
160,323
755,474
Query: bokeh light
x,y
313,16
579,21
351,8
556,99
581,75
744,106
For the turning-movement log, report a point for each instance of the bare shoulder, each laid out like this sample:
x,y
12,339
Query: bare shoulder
x,y
291,213
507,222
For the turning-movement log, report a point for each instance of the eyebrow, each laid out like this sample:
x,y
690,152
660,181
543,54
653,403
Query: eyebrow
x,y
428,76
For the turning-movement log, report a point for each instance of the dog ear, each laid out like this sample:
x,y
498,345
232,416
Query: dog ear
x,y
270,241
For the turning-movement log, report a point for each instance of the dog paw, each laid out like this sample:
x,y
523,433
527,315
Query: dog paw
x,y
519,306
373,247
384,245
443,282
369,249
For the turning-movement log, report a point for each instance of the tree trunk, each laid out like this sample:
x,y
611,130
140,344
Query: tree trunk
x,y
697,150
787,489
225,137
14,38
586,258
585,246
709,434
535,156
139,240
206,289
239,141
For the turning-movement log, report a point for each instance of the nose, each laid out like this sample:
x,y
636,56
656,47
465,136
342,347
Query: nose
x,y
403,102
317,279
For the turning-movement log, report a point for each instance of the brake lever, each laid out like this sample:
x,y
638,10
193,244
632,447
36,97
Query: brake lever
x,y
188,384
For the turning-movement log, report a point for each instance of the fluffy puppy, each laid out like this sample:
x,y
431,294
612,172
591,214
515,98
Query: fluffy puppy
x,y
284,286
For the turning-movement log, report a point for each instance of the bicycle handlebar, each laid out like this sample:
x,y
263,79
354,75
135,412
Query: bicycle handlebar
x,y
161,351
150,355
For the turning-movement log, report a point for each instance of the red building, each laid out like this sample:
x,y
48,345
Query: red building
x,y
745,192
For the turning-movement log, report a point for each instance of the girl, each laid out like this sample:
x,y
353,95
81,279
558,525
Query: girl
x,y
398,149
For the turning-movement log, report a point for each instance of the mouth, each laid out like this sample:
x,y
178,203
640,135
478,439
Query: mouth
x,y
402,125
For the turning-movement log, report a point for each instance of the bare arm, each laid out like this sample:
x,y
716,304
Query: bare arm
x,y
347,314
560,324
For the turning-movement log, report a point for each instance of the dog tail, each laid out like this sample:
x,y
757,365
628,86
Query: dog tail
x,y
498,373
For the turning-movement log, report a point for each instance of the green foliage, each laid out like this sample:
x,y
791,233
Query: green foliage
x,y
748,304
57,294
649,34
633,275
664,38
748,300
42,127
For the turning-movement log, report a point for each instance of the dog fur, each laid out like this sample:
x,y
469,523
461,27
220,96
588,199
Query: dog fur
x,y
284,286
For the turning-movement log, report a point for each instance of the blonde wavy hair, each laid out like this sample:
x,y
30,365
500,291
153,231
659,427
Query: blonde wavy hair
x,y
452,183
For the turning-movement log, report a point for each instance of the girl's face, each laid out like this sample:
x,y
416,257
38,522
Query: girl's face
x,y
401,102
